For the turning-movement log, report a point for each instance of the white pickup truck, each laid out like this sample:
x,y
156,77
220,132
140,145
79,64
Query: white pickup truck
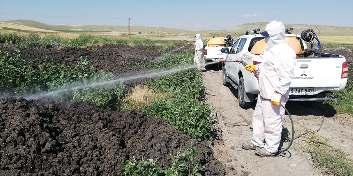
x,y
316,75
212,51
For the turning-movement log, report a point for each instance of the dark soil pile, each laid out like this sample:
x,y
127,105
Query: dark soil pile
x,y
112,58
79,139
348,53
121,58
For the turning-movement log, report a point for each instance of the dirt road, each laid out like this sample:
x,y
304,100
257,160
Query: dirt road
x,y
235,124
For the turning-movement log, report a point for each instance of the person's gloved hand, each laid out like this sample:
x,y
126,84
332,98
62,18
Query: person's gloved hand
x,y
276,99
276,102
251,68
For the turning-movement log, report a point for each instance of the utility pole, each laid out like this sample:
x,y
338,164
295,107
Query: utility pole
x,y
129,25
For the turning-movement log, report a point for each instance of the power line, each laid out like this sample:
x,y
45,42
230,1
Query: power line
x,y
129,25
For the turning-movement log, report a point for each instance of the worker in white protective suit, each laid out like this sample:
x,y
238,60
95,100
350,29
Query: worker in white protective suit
x,y
198,58
274,75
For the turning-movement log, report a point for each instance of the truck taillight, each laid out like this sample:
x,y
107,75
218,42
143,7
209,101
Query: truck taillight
x,y
256,62
345,67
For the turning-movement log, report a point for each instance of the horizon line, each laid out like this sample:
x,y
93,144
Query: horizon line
x,y
166,27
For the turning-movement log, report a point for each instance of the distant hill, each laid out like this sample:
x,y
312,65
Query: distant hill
x,y
324,30
92,28
161,32
30,23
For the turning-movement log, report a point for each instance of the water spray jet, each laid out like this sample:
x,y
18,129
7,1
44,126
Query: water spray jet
x,y
107,83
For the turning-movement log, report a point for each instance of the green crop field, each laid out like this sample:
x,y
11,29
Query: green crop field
x,y
348,40
28,68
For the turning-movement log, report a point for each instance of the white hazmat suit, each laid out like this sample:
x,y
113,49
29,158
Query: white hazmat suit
x,y
275,73
198,58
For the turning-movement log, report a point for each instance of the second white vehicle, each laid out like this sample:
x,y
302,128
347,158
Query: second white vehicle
x,y
317,74
212,51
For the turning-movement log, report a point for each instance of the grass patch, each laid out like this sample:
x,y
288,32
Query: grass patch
x,y
347,40
184,163
142,96
343,102
183,107
338,45
23,78
178,99
169,60
103,97
330,160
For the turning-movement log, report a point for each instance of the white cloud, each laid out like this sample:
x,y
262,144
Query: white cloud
x,y
249,15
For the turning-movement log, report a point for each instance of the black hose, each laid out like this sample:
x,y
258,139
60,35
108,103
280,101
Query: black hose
x,y
292,132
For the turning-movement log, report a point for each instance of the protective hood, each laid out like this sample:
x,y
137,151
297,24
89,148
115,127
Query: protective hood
x,y
198,43
276,32
277,68
198,37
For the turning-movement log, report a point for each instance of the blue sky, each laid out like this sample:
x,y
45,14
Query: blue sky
x,y
189,14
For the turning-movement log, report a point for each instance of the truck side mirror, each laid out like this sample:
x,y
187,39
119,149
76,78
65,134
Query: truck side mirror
x,y
225,50
232,51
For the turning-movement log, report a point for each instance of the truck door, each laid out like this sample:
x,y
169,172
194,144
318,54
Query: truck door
x,y
230,57
235,67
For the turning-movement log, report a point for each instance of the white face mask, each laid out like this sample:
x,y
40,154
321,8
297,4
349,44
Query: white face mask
x,y
274,40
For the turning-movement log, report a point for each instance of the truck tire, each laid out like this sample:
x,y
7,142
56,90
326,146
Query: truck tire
x,y
242,94
225,77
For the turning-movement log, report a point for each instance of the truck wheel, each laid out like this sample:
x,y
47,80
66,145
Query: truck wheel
x,y
220,66
225,77
242,94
